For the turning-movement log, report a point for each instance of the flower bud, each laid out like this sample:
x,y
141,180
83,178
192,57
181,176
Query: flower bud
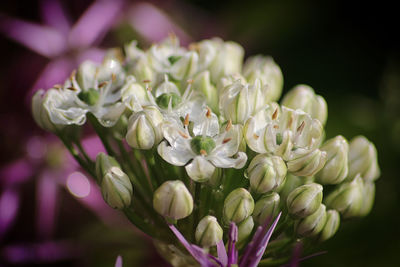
x,y
173,200
265,69
266,207
104,163
363,159
216,178
312,224
40,113
134,95
238,205
266,173
368,198
304,200
303,97
244,230
348,198
203,84
208,232
336,166
116,188
331,225
144,128
307,164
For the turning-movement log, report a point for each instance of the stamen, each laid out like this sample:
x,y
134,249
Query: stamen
x,y
183,134
290,121
229,125
72,89
149,88
301,127
203,152
57,86
72,76
275,114
226,140
208,114
256,136
276,126
194,47
102,84
146,81
186,122
190,81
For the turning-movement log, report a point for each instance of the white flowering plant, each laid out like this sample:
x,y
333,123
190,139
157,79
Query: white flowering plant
x,y
201,157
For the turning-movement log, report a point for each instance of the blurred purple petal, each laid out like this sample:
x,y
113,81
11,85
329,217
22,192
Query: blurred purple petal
x,y
95,22
154,24
94,54
43,40
53,15
46,199
93,146
54,73
233,237
40,253
118,262
9,205
222,256
295,260
16,172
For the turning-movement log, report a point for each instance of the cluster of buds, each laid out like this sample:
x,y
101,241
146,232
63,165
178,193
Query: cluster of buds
x,y
199,136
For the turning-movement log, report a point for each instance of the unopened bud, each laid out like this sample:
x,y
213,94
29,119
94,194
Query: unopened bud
x,y
304,200
40,113
238,205
308,164
363,159
303,97
266,173
368,198
312,224
331,225
203,84
172,200
144,128
348,198
244,230
116,188
265,69
336,166
208,232
266,207
104,163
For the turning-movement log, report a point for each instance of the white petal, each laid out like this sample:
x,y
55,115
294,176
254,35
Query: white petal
x,y
173,156
225,162
200,170
109,115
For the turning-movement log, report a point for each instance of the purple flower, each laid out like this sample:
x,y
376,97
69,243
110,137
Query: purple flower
x,y
251,257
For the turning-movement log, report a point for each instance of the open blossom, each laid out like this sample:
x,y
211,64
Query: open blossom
x,y
290,134
93,88
206,146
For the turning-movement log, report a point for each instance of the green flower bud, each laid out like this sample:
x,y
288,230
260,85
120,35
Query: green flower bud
x,y
238,205
144,128
40,113
336,166
85,75
363,159
291,183
304,200
165,99
312,224
208,232
90,96
199,143
303,97
308,164
172,200
266,173
104,163
266,207
244,230
348,198
368,198
116,188
203,84
331,225
265,69
134,95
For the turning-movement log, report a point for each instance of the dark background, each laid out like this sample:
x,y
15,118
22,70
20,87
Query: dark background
x,y
348,51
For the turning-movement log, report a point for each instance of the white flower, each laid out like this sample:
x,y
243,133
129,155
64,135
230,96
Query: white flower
x,y
40,113
290,134
93,89
265,69
206,147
